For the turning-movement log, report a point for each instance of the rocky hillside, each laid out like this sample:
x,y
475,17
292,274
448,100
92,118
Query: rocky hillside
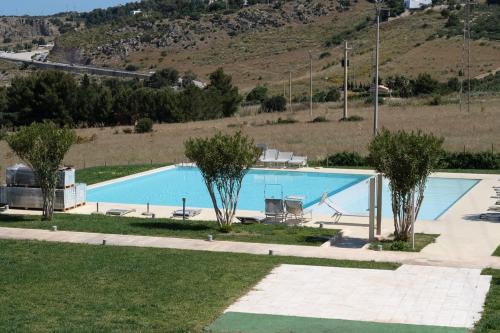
x,y
18,29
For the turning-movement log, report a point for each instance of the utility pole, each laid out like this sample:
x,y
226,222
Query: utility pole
x,y
468,53
290,90
310,85
378,9
346,64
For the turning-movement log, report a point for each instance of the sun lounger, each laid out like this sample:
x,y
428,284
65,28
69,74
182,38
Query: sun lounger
x,y
298,161
269,156
295,208
251,219
187,213
337,211
494,209
119,212
275,209
284,157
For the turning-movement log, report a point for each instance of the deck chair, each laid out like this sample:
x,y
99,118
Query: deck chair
x,y
275,209
295,207
119,212
490,217
298,161
269,156
284,157
187,213
337,211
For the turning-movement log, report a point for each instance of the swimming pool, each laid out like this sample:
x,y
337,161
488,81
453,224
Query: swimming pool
x,y
349,191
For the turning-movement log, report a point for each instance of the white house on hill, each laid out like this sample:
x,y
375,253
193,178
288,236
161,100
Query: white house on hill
x,y
417,4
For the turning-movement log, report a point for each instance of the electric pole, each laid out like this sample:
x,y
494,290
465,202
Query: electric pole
x,y
310,85
468,53
378,10
346,64
290,90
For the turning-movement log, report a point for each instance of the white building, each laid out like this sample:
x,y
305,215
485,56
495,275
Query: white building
x,y
417,4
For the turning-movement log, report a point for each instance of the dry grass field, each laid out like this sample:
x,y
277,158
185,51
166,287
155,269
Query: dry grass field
x,y
477,130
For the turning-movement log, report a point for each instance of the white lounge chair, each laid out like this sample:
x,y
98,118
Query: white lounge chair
x,y
298,161
275,208
295,207
187,213
269,156
284,157
337,211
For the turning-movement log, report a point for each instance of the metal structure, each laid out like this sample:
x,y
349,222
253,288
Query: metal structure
x,y
310,85
346,65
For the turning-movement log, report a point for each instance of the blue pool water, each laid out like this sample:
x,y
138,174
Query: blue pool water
x,y
350,190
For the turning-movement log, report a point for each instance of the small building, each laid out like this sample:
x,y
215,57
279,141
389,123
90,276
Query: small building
x,y
136,12
417,4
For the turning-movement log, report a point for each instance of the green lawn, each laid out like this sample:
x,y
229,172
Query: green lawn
x,y
421,241
57,287
490,320
497,252
259,233
102,173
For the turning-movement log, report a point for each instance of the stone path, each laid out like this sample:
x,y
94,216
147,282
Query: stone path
x,y
244,247
416,295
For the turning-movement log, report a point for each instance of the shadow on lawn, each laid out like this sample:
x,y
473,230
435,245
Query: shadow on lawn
x,y
18,218
170,226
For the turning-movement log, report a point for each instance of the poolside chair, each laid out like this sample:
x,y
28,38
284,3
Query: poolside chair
x,y
295,207
187,213
337,211
269,156
298,161
275,209
284,157
490,217
250,219
119,212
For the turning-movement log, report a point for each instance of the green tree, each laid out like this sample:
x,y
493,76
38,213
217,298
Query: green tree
x,y
43,146
223,161
274,104
257,94
406,160
225,94
167,77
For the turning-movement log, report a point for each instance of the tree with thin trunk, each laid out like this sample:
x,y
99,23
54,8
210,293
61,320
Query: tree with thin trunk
x,y
223,161
406,160
42,146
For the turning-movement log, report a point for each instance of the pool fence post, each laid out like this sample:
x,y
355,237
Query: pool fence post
x,y
371,219
183,209
379,204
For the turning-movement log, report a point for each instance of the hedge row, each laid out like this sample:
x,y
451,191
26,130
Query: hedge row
x,y
449,160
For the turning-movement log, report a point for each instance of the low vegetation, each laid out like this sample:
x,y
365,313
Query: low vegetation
x,y
421,241
122,289
258,233
490,319
99,174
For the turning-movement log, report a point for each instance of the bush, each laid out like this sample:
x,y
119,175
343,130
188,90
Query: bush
x,y
274,104
436,100
399,245
467,160
352,118
320,119
131,68
333,95
346,159
144,125
324,55
127,130
258,94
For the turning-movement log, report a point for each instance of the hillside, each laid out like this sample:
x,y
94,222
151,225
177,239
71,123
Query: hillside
x,y
262,43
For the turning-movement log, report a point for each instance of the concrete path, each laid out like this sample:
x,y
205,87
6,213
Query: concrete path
x,y
415,295
326,252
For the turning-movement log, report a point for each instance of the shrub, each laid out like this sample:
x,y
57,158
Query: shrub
x,y
399,245
257,94
352,118
467,160
131,68
127,130
274,104
346,159
436,100
320,119
144,125
333,95
324,55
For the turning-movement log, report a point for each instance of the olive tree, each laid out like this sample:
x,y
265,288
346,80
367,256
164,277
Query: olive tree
x,y
223,161
406,160
43,146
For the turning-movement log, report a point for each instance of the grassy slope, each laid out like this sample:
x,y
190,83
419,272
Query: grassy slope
x,y
259,233
266,55
95,175
49,287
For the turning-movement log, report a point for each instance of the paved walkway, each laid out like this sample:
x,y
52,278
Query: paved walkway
x,y
415,295
327,252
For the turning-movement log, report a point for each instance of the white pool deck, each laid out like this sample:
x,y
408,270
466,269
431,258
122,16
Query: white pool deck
x,y
464,241
415,295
